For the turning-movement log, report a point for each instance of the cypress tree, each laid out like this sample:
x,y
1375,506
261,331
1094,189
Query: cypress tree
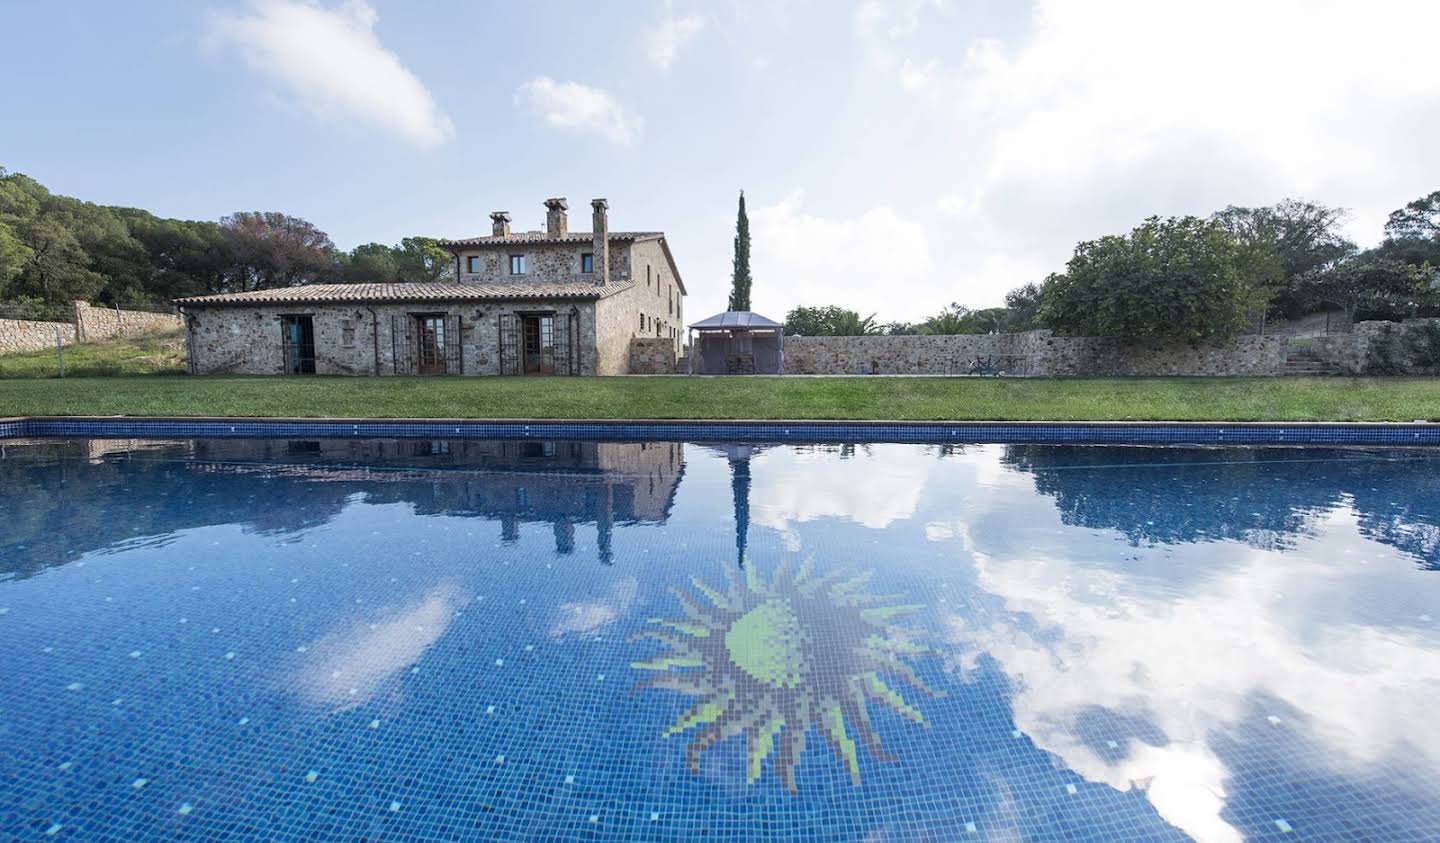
x,y
740,274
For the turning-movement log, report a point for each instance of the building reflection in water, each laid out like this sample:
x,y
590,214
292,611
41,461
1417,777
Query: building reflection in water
x,y
280,486
61,496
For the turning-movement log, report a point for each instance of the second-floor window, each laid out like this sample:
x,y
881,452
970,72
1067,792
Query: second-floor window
x,y
517,264
587,262
472,264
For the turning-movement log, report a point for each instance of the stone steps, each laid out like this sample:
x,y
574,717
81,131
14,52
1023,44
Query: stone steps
x,y
1304,361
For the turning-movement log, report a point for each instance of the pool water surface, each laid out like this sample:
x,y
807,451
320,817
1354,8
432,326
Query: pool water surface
x,y
513,640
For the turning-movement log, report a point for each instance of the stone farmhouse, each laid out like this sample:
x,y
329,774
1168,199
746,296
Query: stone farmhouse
x,y
552,302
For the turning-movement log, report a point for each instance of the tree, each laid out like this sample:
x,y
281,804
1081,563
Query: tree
x,y
829,321
740,271
53,231
1419,220
272,249
958,319
1280,243
13,256
184,257
1178,278
1375,288
1023,304
372,263
416,259
951,320
422,259
1412,234
56,248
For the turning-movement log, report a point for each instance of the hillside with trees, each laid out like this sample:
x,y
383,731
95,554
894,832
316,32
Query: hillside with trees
x,y
54,249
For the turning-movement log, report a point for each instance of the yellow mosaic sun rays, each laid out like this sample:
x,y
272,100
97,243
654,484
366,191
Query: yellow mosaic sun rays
x,y
768,659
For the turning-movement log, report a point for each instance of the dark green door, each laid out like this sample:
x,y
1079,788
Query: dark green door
x,y
298,337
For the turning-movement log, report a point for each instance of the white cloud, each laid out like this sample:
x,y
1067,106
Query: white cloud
x,y
664,40
860,262
328,62
915,76
1087,116
884,26
1115,110
578,107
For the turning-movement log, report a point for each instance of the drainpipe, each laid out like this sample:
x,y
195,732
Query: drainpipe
x,y
189,339
375,335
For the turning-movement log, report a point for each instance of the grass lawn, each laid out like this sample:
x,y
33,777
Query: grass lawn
x,y
147,354
1110,399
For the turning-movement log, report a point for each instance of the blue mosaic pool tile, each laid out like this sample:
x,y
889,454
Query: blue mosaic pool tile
x,y
331,638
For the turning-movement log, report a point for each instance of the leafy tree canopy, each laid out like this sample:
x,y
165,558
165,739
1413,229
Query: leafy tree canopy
x,y
1177,278
1373,288
14,255
1280,243
1419,220
1023,304
829,321
54,249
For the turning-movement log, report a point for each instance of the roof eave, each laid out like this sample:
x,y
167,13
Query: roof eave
x,y
674,268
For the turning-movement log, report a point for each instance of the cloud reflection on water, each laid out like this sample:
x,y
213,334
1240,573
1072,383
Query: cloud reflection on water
x,y
350,666
1315,630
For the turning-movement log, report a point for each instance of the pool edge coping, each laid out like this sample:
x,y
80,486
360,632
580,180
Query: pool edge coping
x,y
795,430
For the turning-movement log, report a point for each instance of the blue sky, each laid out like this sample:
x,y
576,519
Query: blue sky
x,y
897,155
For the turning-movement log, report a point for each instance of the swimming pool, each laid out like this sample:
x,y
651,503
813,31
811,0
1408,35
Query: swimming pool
x,y
476,640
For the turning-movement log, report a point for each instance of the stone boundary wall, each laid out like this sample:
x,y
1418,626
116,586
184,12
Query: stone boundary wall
x,y
26,335
1413,347
89,324
93,324
1033,353
652,356
1042,354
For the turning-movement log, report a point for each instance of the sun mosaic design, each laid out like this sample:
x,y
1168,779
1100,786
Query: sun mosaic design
x,y
769,659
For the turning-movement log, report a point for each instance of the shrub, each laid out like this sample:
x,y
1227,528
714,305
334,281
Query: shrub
x,y
1168,279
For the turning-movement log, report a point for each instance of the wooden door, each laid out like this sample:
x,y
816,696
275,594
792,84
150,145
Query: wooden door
x,y
538,344
430,356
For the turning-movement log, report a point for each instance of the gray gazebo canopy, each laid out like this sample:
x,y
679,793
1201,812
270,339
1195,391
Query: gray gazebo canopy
x,y
737,342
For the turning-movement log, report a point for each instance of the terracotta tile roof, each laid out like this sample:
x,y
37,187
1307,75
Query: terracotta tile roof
x,y
541,237
419,292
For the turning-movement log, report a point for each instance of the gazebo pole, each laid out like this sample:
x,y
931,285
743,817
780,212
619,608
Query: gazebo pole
x,y
690,355
781,332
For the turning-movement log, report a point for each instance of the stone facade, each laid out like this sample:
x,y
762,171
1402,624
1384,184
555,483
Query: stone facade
x,y
370,340
89,324
652,356
658,294
602,289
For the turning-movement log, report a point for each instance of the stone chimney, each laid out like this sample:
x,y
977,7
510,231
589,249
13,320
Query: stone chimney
x,y
555,225
500,224
600,230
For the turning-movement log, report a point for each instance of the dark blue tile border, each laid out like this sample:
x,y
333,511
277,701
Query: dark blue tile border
x,y
1113,433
